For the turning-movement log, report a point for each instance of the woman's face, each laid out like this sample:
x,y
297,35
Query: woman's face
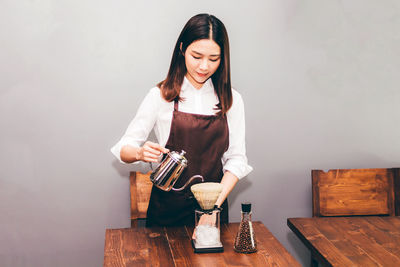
x,y
202,58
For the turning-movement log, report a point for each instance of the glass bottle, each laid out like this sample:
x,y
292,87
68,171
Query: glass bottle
x,y
245,241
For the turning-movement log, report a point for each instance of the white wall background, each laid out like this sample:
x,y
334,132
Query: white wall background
x,y
319,79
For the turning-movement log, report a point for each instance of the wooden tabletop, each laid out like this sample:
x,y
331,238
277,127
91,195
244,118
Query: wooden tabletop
x,y
171,246
351,241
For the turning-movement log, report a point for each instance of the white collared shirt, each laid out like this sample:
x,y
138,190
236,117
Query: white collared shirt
x,y
156,113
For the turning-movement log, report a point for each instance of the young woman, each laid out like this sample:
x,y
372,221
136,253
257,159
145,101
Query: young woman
x,y
196,110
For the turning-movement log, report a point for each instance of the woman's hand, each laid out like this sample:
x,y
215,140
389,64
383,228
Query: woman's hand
x,y
150,152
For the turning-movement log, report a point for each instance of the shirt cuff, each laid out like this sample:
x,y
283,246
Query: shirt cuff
x,y
238,168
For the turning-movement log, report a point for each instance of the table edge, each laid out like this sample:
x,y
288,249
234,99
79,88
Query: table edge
x,y
314,252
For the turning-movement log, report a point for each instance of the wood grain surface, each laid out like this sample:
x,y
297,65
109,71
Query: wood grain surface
x,y
345,192
351,241
171,246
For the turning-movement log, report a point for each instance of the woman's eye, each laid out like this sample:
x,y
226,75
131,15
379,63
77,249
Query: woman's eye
x,y
196,57
213,60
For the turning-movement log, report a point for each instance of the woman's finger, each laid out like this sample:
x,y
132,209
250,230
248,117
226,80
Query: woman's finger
x,y
150,160
157,147
150,150
150,156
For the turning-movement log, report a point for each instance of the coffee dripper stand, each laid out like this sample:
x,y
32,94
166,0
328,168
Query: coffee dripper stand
x,y
207,236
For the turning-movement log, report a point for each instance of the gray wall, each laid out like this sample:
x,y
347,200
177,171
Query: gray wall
x,y
319,80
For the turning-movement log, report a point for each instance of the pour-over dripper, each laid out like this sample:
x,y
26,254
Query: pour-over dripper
x,y
206,237
206,194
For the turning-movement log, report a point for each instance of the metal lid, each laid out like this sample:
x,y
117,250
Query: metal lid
x,y
179,158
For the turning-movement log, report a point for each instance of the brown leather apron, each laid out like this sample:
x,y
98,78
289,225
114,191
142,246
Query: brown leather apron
x,y
205,138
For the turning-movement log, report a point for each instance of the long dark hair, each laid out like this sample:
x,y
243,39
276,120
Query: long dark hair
x,y
200,27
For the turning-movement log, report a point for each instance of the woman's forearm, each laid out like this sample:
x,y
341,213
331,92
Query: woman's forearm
x,y
129,154
228,181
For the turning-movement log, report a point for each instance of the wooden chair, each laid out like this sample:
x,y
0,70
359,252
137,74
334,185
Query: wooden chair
x,y
140,189
355,192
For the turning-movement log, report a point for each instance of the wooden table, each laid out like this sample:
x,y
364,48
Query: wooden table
x,y
351,241
171,246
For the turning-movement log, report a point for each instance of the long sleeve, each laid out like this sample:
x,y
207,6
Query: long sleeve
x,y
234,159
142,124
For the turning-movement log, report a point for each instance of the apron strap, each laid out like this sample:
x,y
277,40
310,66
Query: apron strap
x,y
176,104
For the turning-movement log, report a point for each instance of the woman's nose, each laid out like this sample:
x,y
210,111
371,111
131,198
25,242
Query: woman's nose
x,y
204,64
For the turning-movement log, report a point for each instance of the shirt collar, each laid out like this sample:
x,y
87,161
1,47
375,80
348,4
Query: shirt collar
x,y
207,86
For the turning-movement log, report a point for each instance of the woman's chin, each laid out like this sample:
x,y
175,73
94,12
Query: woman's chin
x,y
201,79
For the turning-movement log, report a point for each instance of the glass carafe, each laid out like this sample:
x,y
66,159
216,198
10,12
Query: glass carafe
x,y
245,241
208,232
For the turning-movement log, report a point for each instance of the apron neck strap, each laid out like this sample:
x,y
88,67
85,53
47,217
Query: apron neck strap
x,y
176,103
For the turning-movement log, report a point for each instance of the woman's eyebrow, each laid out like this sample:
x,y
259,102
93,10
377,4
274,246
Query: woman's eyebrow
x,y
200,54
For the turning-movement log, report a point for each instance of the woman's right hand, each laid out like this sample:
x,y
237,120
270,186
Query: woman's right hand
x,y
150,152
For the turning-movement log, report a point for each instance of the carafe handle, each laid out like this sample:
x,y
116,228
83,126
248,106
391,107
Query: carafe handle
x,y
188,182
159,160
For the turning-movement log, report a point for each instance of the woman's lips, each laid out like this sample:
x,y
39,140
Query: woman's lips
x,y
202,75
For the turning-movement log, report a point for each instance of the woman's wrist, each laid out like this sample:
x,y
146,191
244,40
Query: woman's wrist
x,y
217,207
138,153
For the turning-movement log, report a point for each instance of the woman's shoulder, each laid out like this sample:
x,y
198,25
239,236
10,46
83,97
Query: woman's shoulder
x,y
236,98
153,99
155,94
237,105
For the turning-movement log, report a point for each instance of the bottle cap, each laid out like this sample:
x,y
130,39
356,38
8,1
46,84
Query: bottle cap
x,y
246,207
